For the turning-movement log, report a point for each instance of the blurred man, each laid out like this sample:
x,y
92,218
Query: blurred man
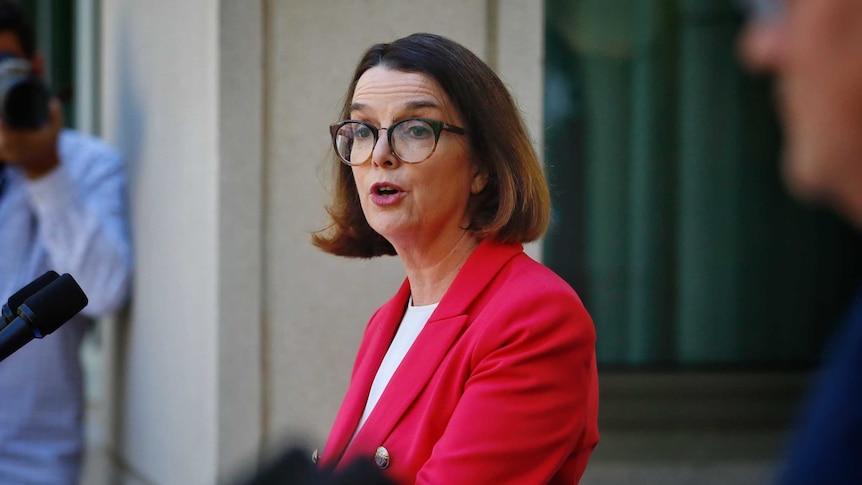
x,y
814,50
62,207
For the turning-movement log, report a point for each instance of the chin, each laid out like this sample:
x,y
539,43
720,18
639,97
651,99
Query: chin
x,y
814,174
803,173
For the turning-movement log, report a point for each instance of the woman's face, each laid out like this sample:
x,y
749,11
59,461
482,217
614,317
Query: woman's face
x,y
413,205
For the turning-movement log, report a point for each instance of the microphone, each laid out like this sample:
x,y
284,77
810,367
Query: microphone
x,y
11,306
42,313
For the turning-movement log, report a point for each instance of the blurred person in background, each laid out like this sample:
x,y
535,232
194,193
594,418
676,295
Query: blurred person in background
x,y
814,50
481,369
63,208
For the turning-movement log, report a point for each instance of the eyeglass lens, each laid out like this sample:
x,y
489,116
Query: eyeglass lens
x,y
411,141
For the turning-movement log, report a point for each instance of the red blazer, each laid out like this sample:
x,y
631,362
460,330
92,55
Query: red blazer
x,y
499,388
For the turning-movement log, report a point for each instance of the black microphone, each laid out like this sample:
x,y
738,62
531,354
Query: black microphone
x,y
43,313
10,308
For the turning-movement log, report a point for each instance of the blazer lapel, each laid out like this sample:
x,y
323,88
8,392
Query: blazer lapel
x,y
374,345
409,379
444,327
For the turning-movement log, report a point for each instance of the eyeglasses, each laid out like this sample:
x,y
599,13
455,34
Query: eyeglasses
x,y
412,140
763,10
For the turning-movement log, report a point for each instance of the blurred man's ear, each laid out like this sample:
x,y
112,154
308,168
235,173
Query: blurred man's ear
x,y
37,64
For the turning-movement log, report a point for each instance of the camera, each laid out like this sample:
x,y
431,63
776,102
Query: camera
x,y
23,96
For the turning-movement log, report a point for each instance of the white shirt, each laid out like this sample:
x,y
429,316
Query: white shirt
x,y
411,325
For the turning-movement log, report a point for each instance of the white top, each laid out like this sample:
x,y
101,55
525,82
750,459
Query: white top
x,y
413,322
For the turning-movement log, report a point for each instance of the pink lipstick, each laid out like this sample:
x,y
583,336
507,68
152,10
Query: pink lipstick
x,y
386,194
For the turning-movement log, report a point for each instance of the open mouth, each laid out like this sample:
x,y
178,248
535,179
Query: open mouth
x,y
385,194
385,190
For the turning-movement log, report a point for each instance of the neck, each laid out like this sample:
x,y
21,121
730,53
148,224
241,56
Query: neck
x,y
431,272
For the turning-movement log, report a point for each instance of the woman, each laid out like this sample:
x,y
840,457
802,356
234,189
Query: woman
x,y
481,369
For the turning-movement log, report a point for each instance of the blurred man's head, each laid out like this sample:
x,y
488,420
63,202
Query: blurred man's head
x,y
814,48
16,36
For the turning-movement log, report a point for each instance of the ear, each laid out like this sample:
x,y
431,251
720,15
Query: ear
x,y
37,64
480,180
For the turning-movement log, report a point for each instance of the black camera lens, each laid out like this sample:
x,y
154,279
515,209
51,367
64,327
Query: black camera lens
x,y
25,105
24,97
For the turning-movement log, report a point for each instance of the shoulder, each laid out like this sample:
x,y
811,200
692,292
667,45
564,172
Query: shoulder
x,y
528,297
76,147
496,269
88,157
531,281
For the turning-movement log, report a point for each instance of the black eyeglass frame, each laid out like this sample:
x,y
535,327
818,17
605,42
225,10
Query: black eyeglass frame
x,y
437,127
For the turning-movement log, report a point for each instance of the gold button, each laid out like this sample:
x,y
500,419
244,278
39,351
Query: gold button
x,y
315,455
381,457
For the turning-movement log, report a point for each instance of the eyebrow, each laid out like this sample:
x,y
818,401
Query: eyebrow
x,y
417,104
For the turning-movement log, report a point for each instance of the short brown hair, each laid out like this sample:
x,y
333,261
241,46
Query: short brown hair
x,y
514,207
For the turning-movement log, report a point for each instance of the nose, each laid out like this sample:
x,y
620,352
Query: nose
x,y
382,155
762,45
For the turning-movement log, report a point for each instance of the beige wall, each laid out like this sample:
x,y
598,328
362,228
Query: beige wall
x,y
160,108
242,334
